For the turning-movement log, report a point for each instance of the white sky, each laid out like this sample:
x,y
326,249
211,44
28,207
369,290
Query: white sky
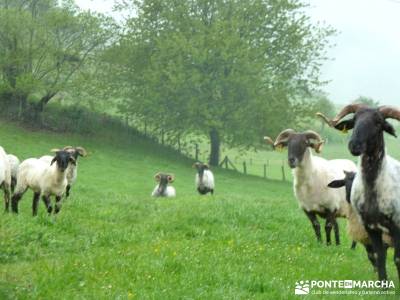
x,y
366,57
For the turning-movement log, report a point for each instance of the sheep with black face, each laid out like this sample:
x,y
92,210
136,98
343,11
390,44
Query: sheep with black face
x,y
163,189
204,179
311,177
45,179
376,191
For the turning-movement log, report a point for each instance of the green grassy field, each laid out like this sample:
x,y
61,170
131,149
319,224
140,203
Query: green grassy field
x,y
113,241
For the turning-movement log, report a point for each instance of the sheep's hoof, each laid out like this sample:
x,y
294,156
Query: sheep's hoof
x,y
49,209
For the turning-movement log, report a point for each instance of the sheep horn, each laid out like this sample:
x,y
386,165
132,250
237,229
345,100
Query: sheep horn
x,y
312,135
390,112
348,109
171,177
269,141
283,137
81,151
54,150
157,176
68,148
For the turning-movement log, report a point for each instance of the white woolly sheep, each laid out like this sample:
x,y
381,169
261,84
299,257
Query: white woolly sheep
x,y
73,169
162,188
311,177
376,191
44,178
5,177
204,179
14,164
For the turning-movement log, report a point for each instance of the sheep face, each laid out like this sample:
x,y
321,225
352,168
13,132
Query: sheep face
x,y
200,167
297,146
163,180
76,151
347,182
368,125
63,159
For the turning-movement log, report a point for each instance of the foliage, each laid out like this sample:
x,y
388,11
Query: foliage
x,y
224,69
43,45
367,100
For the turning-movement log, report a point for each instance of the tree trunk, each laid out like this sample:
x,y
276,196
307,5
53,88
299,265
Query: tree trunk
x,y
215,145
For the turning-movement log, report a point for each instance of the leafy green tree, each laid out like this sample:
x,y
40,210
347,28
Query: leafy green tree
x,y
226,69
43,45
367,100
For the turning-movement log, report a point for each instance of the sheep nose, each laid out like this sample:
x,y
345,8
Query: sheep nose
x,y
355,148
292,162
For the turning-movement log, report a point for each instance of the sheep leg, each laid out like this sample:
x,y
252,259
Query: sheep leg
x,y
46,200
379,252
336,230
14,201
6,197
67,191
212,191
328,230
371,255
58,205
13,184
314,221
353,245
395,233
35,202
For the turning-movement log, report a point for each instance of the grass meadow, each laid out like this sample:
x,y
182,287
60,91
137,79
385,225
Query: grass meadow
x,y
113,241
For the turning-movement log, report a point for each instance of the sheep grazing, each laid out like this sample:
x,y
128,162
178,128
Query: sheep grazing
x,y
355,228
311,177
5,177
162,188
376,191
14,164
44,178
204,179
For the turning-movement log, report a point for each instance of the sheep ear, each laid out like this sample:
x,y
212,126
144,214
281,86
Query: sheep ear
x,y
53,160
389,128
337,184
157,177
171,178
81,151
345,125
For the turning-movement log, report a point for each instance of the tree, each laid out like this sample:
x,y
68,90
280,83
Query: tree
x,y
367,100
227,69
43,45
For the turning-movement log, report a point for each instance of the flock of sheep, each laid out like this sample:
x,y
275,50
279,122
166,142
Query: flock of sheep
x,y
368,195
46,176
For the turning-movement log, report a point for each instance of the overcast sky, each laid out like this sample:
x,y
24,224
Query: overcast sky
x,y
366,58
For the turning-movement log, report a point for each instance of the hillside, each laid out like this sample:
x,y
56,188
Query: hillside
x,y
113,241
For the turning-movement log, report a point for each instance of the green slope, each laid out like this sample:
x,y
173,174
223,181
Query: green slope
x,y
113,241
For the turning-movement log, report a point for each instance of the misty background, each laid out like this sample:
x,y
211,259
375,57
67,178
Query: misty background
x,y
364,60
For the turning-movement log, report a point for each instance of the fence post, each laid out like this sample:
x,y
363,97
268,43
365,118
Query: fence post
x,y
226,162
265,170
196,155
244,168
283,172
